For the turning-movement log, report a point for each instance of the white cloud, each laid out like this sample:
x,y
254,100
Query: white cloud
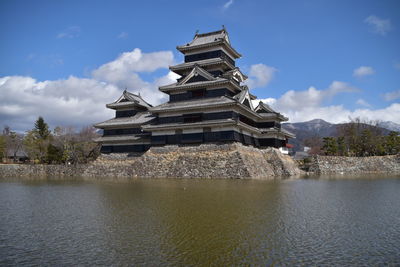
x,y
390,96
72,101
390,113
378,25
260,75
70,32
227,4
123,35
79,101
124,72
339,114
135,61
363,71
311,104
312,97
362,102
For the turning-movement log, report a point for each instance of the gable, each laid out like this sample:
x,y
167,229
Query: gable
x,y
244,98
262,111
264,108
123,98
197,75
197,78
246,103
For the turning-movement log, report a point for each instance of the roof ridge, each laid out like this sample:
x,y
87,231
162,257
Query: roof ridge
x,y
210,33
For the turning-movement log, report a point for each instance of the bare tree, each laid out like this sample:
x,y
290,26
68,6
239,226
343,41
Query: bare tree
x,y
13,142
76,147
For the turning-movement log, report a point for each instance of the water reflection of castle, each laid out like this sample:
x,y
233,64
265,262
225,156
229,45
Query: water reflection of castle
x,y
207,104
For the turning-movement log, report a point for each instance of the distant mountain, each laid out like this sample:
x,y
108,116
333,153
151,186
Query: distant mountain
x,y
316,127
320,128
308,129
390,126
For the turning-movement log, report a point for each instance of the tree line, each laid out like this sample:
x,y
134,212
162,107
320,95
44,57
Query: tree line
x,y
358,138
62,145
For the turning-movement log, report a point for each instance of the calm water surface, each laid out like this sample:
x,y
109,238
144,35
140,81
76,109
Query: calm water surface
x,y
201,222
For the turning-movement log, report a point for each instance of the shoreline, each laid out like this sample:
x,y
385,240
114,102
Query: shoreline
x,y
210,161
355,165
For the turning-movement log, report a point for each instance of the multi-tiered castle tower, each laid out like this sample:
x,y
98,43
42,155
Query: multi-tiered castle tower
x,y
207,104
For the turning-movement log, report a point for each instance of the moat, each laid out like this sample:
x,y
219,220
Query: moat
x,y
201,222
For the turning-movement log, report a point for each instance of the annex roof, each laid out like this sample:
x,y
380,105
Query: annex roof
x,y
131,138
287,133
136,120
265,111
128,99
264,108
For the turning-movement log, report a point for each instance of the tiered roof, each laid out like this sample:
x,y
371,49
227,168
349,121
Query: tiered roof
x,y
210,39
194,104
180,68
216,82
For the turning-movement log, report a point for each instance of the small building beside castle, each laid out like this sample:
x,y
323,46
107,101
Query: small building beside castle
x,y
207,104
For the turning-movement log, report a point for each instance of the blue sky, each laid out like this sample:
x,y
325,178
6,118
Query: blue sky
x,y
308,59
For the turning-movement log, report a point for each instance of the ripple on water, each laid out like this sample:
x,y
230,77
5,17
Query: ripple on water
x,y
156,222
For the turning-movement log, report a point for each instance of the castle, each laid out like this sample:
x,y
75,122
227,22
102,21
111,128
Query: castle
x,y
207,104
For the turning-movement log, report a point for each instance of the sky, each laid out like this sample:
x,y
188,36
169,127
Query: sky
x,y
308,59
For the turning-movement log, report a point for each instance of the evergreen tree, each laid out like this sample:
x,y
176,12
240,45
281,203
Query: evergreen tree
x,y
54,154
391,143
42,129
341,145
37,140
330,146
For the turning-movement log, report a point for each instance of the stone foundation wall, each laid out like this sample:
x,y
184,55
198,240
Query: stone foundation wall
x,y
354,165
40,171
234,161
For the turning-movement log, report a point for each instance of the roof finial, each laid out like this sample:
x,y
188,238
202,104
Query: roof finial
x,y
139,93
195,34
223,27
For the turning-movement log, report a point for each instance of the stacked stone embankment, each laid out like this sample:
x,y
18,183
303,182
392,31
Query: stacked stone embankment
x,y
234,161
355,165
39,171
